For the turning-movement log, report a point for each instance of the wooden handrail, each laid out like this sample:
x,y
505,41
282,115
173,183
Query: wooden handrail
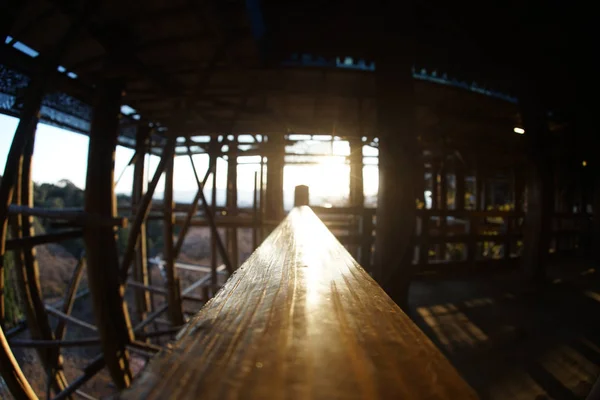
x,y
301,319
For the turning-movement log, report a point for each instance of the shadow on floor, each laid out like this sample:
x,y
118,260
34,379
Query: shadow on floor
x,y
513,341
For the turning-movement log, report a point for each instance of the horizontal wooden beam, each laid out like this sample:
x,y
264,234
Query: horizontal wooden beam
x,y
30,241
301,310
45,344
74,215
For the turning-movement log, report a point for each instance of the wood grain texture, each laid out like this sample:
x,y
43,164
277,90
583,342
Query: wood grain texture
x,y
300,319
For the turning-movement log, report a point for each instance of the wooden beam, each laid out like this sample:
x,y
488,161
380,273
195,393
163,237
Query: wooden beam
x,y
398,165
231,204
209,213
275,162
324,344
357,197
70,296
143,303
539,182
443,206
53,344
88,373
31,241
144,207
193,207
75,216
110,310
173,286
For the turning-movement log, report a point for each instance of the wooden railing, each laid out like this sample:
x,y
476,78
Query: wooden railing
x,y
300,319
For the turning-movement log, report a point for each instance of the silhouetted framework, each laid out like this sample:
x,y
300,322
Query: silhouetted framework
x,y
481,168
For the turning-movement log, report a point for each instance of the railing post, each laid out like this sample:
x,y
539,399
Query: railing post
x,y
301,196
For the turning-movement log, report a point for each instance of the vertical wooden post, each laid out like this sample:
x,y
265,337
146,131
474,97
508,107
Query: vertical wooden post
x,y
232,233
434,186
261,199
460,192
443,216
275,161
255,211
301,196
538,217
399,159
519,189
110,309
357,197
140,273
595,223
459,199
482,190
214,148
173,287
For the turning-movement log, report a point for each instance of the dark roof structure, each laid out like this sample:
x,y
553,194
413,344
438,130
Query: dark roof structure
x,y
287,66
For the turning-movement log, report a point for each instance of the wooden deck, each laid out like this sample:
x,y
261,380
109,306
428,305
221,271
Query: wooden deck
x,y
300,319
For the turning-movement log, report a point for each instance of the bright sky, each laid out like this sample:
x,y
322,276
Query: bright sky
x,y
60,154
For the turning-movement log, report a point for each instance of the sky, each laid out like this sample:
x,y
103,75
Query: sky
x,y
61,154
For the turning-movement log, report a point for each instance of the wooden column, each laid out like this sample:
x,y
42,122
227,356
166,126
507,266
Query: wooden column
x,y
232,233
275,161
173,287
434,185
460,192
357,197
399,159
213,203
110,310
140,272
519,189
539,182
442,226
595,223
